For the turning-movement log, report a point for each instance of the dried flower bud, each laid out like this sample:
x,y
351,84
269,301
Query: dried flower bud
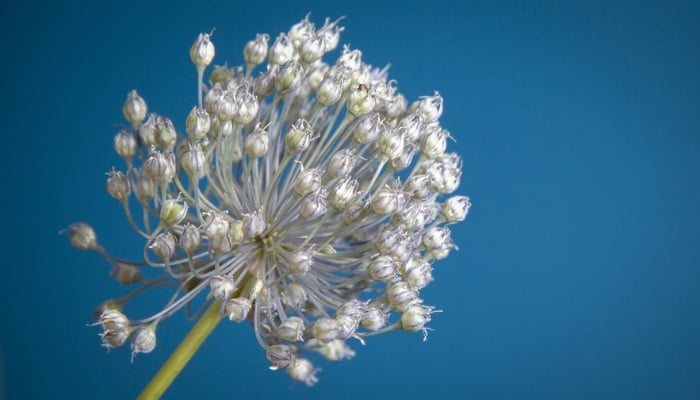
x,y
165,134
314,204
291,329
388,200
202,51
255,50
341,163
418,273
343,193
118,185
190,238
302,370
325,330
237,309
308,180
143,341
160,167
401,295
163,245
415,317
145,189
194,162
134,109
113,320
280,355
126,274
257,143
125,145
456,209
368,129
254,224
246,107
281,50
81,236
383,268
198,123
374,319
301,261
221,287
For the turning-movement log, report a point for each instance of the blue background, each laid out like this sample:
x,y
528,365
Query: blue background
x,y
578,270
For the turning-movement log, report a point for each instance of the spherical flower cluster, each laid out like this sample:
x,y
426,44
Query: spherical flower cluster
x,y
308,198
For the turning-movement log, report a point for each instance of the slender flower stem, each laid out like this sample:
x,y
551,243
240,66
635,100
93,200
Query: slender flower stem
x,y
182,354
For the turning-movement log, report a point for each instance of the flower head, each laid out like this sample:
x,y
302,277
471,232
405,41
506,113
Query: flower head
x,y
308,200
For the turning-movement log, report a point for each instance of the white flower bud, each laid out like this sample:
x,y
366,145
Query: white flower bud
x,y
388,200
198,123
368,129
246,107
281,50
254,224
118,185
330,32
301,31
343,193
308,180
295,295
352,308
160,167
391,143
329,91
430,108
265,83
351,59
341,163
316,75
436,237
289,77
301,261
325,330
226,106
401,295
237,309
112,339
418,186
337,350
416,215
456,209
298,137
190,238
383,268
394,106
374,319
434,143
202,51
291,329
193,161
221,287
147,130
221,244
444,176
173,211
217,225
212,98
415,317
134,109
145,189
165,134
280,355
81,236
413,127
361,101
418,273
255,50
302,370
125,145
347,326
113,320
257,143
314,204
126,274
143,341
163,245
405,159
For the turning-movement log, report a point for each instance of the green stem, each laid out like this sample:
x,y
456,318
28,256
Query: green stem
x,y
182,354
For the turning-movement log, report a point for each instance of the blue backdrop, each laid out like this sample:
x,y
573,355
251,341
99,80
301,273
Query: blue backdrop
x,y
577,275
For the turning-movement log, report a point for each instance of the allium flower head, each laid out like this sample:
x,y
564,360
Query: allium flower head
x,y
306,197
